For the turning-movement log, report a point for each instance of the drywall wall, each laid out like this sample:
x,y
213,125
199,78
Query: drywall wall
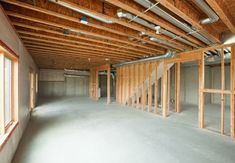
x,y
54,83
216,81
11,39
103,86
189,84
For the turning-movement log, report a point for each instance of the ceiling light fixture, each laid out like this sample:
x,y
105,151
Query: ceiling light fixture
x,y
84,20
158,28
87,13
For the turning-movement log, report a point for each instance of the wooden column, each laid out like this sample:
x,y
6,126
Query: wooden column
x,y
108,86
128,85
168,89
201,94
137,87
150,89
164,91
156,90
177,87
2,99
117,85
132,85
232,97
222,94
96,84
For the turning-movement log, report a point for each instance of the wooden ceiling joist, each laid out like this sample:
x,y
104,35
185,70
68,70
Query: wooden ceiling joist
x,y
221,10
80,41
130,6
130,45
179,8
80,53
72,43
121,31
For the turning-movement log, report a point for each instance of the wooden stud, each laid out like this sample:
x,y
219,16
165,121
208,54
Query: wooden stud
x,y
156,89
222,95
232,97
168,89
164,92
177,89
150,103
108,85
201,93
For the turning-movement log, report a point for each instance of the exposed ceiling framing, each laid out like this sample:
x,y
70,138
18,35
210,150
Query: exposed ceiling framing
x,y
56,37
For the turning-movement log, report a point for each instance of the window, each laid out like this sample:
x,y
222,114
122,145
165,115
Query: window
x,y
8,93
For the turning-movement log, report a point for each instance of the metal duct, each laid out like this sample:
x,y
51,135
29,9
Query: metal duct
x,y
138,20
145,23
168,54
175,37
173,20
160,41
212,17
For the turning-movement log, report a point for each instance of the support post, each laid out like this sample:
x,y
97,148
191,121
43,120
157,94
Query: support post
x,y
201,94
108,86
232,99
156,90
168,90
222,94
96,84
150,89
177,87
164,92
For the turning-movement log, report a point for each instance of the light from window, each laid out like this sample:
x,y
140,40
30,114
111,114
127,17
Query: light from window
x,y
7,83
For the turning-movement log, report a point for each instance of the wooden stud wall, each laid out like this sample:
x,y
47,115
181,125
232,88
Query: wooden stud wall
x,y
143,70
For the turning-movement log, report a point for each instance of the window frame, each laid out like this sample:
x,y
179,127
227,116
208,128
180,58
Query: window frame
x,y
7,130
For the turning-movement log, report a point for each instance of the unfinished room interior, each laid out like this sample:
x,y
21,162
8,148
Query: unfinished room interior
x,y
117,81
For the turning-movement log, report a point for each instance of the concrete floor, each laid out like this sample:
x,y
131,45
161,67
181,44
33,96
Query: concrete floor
x,y
78,130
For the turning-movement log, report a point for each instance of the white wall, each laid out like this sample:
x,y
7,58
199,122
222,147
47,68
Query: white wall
x,y
189,84
10,38
53,83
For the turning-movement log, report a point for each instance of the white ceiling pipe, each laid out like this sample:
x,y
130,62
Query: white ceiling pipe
x,y
212,17
157,10
168,54
84,12
122,14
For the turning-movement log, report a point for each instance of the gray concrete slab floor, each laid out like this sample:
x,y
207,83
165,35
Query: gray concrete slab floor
x,y
79,130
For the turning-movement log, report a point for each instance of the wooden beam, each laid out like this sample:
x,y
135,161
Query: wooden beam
x,y
43,37
131,45
82,40
150,102
156,89
222,95
232,97
201,93
168,89
179,8
177,85
127,31
130,6
108,85
164,92
82,53
221,10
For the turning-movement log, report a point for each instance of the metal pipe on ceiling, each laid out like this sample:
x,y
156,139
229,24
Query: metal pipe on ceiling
x,y
158,11
143,22
168,54
212,17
